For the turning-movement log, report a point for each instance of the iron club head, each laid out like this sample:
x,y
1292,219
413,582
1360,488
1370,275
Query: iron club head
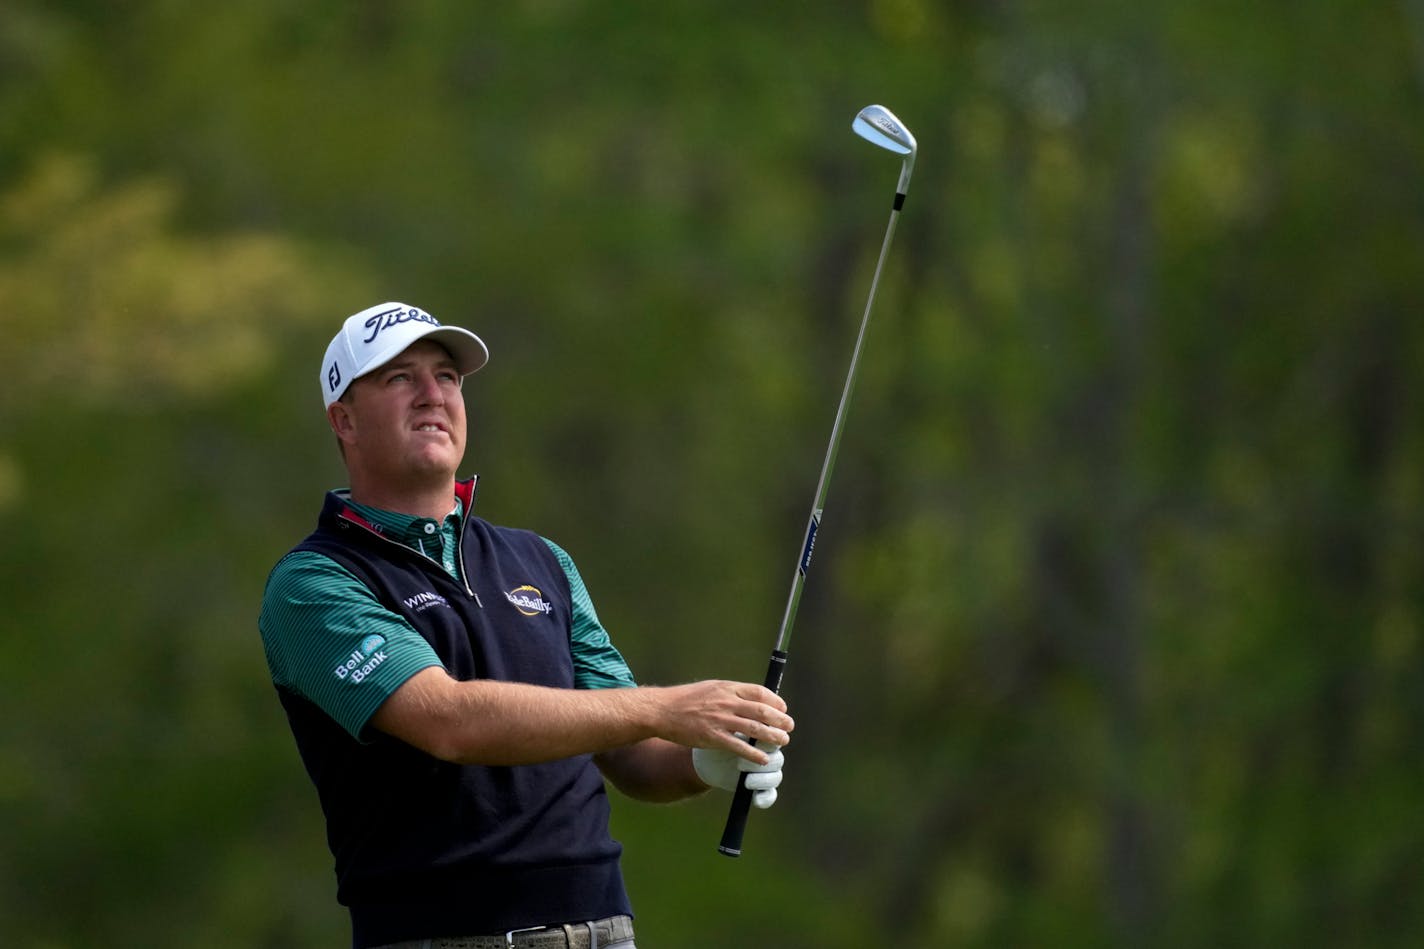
x,y
879,126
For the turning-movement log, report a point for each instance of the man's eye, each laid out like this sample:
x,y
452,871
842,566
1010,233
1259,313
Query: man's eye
x,y
398,377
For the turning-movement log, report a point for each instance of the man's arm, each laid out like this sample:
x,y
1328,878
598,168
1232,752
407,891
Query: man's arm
x,y
652,770
510,723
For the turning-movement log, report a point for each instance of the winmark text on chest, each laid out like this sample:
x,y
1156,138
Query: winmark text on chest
x,y
423,601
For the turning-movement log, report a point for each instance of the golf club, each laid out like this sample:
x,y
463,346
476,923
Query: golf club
x,y
879,126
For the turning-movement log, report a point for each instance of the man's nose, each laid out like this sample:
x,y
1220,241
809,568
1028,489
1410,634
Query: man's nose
x,y
429,392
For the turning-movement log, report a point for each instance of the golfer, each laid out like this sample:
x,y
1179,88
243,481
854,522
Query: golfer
x,y
452,693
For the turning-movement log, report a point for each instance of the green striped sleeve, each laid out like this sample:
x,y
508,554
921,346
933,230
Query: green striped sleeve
x,y
330,640
597,663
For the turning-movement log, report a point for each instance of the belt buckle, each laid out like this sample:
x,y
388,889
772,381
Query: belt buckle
x,y
509,936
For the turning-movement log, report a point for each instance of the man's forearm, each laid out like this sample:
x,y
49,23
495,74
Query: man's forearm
x,y
652,770
510,723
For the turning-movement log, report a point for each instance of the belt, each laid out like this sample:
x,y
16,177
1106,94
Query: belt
x,y
590,935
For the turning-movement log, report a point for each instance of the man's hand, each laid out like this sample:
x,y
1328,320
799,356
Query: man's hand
x,y
722,769
716,714
701,741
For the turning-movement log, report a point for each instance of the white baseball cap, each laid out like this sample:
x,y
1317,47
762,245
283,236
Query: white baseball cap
x,y
378,334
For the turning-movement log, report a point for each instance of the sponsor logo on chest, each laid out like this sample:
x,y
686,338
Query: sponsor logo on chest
x,y
424,601
529,601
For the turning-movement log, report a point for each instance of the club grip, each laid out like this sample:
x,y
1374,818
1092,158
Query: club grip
x,y
731,844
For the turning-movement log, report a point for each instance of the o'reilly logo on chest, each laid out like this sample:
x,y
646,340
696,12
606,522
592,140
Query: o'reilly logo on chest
x,y
364,660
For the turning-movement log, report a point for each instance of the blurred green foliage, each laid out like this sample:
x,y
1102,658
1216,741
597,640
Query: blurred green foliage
x,y
1113,636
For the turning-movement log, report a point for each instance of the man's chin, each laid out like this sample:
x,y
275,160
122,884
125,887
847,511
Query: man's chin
x,y
432,468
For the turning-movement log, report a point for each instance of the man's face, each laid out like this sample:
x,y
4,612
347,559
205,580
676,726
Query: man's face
x,y
405,420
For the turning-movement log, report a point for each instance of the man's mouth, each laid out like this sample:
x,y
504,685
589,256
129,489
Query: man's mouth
x,y
429,427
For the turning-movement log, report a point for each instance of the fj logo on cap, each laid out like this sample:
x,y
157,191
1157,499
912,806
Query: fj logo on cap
x,y
529,601
333,376
394,317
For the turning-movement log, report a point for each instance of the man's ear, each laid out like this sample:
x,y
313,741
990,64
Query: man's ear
x,y
339,417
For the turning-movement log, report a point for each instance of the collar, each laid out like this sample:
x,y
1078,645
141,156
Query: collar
x,y
395,525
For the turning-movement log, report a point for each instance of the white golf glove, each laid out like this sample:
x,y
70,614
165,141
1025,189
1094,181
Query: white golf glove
x,y
722,769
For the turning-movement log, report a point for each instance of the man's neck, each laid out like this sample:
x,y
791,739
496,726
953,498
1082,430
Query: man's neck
x,y
434,503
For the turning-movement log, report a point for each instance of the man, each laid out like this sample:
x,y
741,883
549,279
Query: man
x,y
452,693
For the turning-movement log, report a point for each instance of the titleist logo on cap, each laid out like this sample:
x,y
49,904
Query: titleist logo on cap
x,y
394,317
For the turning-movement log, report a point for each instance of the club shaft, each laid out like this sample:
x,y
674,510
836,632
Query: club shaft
x,y
732,833
813,524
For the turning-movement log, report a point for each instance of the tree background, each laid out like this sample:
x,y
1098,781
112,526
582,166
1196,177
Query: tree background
x,y
1114,633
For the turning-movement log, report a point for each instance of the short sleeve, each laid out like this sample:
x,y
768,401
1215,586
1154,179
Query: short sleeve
x,y
597,662
328,639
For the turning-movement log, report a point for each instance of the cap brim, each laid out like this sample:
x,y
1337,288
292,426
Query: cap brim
x,y
467,349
